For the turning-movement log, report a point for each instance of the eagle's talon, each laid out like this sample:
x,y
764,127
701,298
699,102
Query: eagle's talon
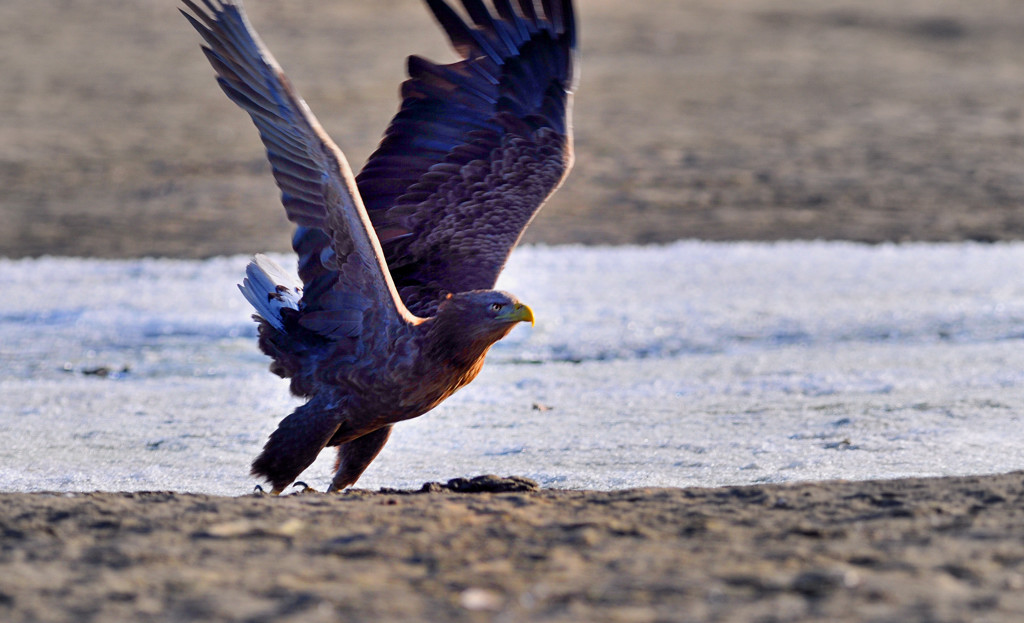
x,y
260,491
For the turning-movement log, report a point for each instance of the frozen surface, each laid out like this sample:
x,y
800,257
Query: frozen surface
x,y
690,364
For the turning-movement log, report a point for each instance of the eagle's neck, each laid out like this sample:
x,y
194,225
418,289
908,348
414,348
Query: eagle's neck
x,y
453,344
448,359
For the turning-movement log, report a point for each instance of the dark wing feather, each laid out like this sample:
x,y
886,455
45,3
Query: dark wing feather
x,y
340,261
476,148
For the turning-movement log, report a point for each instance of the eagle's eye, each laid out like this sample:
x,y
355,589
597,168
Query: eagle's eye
x,y
496,307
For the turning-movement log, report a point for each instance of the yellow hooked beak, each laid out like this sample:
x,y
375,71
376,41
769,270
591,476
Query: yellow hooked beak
x,y
517,313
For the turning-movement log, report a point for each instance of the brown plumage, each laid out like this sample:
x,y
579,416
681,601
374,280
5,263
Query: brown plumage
x,y
395,310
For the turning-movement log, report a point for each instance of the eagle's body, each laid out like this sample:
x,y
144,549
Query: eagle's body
x,y
395,310
355,397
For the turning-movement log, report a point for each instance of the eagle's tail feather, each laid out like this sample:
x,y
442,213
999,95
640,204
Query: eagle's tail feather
x,y
265,287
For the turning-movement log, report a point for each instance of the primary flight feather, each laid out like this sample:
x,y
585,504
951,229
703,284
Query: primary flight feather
x,y
395,310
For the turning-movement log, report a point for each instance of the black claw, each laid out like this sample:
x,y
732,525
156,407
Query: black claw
x,y
305,488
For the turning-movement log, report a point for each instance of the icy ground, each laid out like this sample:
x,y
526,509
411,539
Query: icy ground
x,y
690,364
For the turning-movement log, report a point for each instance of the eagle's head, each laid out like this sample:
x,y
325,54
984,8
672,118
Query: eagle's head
x,y
477,319
485,311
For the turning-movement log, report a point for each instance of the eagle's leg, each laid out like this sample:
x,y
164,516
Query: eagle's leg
x,y
356,455
295,444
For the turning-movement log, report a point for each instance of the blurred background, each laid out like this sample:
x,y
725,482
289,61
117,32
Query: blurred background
x,y
865,120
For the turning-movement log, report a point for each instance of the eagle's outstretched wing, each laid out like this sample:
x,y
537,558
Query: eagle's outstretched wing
x,y
317,187
476,148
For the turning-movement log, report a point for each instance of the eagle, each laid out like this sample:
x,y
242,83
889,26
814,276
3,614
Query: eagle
x,y
394,307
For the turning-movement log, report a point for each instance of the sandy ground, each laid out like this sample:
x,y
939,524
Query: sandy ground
x,y
750,119
909,550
